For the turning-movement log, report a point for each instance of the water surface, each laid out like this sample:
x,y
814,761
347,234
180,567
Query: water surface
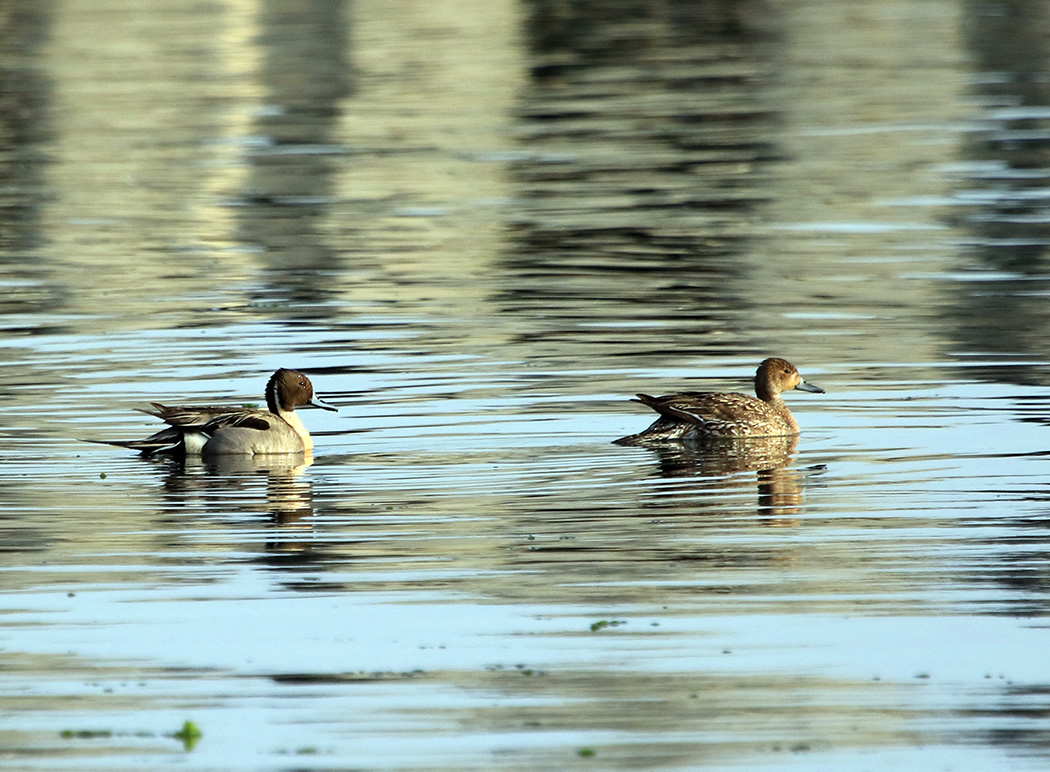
x,y
480,230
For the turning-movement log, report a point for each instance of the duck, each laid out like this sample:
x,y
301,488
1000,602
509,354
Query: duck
x,y
216,430
707,414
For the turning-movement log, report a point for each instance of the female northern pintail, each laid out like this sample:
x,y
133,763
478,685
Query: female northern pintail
x,y
695,415
214,430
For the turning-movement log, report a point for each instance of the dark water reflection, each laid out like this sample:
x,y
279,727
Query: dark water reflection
x,y
635,193
22,122
480,230
1002,202
296,152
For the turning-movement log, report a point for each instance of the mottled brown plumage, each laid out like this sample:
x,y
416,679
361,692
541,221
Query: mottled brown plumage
x,y
695,414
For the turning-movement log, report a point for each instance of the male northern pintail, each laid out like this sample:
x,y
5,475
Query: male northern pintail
x,y
695,415
215,430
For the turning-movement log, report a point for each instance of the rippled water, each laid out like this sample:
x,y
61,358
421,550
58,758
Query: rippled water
x,y
481,228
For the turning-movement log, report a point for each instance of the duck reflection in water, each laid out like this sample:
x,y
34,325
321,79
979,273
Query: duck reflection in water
x,y
235,488
289,497
779,486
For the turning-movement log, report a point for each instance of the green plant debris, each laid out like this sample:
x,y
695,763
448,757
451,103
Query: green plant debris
x,y
586,753
85,734
190,735
602,624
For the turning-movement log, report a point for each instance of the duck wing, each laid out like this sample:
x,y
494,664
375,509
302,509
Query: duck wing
x,y
194,426
210,419
704,407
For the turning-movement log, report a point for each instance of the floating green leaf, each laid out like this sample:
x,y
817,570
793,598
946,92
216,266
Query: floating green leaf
x,y
190,735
